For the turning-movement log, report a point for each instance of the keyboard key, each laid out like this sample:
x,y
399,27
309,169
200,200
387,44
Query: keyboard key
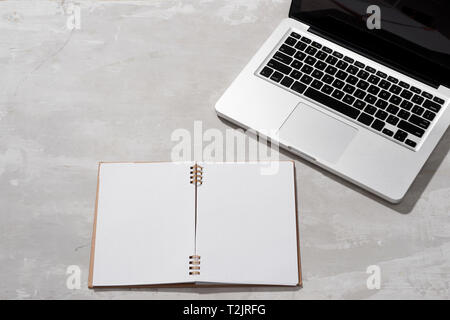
x,y
381,74
403,85
438,100
373,89
410,143
362,84
317,74
370,69
359,104
415,90
316,45
331,60
359,64
266,72
296,74
274,64
298,87
418,110
429,115
395,89
307,69
332,103
395,100
342,65
370,98
392,79
384,95
427,95
392,109
328,79
290,41
287,82
352,79
331,70
410,128
392,120
381,104
348,59
384,84
406,105
360,94
400,135
363,74
404,114
430,105
327,50
288,50
388,132
417,99
277,76
306,40
348,99
373,79
321,55
301,45
295,35
338,54
316,84
370,109
406,94
338,94
282,57
320,65
310,60
296,64
341,75
338,84
378,125
420,122
300,55
352,70
327,89
306,79
382,115
311,50
365,118
349,88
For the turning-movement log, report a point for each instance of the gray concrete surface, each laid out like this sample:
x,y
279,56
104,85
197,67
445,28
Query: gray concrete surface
x,y
115,90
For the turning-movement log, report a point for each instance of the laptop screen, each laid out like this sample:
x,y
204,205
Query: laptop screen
x,y
412,36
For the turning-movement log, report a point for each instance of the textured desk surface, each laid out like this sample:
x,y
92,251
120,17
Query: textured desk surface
x,y
115,90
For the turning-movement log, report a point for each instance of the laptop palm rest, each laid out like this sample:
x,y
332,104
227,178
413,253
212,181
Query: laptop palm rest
x,y
316,134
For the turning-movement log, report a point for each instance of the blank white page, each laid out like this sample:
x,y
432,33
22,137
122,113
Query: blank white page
x,y
145,224
247,231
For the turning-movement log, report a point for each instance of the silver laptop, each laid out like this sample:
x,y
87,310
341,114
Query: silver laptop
x,y
360,88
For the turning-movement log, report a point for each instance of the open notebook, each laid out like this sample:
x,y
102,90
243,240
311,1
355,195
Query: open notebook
x,y
195,224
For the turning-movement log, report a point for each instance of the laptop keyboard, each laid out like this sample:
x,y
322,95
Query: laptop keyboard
x,y
371,98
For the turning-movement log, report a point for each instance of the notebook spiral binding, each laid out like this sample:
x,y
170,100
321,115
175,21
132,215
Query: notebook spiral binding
x,y
196,175
194,265
196,178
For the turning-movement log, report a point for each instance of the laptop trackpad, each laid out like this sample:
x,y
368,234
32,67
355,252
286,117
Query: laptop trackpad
x,y
316,134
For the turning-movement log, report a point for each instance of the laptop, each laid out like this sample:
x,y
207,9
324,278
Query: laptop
x,y
360,88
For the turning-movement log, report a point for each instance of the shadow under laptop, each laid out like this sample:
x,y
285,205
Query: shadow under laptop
x,y
417,188
415,191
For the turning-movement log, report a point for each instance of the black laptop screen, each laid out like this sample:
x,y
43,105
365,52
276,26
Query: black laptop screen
x,y
412,36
